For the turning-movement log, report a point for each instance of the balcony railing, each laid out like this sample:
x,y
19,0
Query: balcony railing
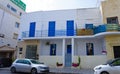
x,y
77,32
44,33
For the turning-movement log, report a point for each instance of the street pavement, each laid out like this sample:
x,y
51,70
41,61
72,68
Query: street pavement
x,y
55,71
72,71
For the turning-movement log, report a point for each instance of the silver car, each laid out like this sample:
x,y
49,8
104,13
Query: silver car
x,y
29,66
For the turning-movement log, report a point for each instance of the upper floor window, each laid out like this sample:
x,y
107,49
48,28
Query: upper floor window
x,y
15,36
8,5
112,20
13,9
20,13
17,25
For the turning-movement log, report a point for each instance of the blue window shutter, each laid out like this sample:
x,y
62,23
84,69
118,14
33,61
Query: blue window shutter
x,y
32,29
70,28
51,28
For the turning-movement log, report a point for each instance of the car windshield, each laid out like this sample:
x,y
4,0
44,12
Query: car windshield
x,y
35,61
109,62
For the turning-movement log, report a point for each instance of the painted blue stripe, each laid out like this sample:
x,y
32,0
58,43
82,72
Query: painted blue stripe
x,y
70,28
51,29
32,29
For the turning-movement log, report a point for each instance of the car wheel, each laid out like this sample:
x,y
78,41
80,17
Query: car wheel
x,y
13,70
104,72
33,71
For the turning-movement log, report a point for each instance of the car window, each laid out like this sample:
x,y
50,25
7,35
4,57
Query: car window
x,y
19,61
35,62
26,62
23,61
116,63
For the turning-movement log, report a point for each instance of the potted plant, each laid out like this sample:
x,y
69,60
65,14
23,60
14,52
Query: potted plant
x,y
77,64
59,64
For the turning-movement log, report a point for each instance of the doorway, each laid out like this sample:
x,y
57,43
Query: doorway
x,y
31,51
68,56
116,50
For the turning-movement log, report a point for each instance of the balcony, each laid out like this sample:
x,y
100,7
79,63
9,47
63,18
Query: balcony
x,y
78,32
44,33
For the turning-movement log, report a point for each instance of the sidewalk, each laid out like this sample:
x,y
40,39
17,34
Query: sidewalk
x,y
72,70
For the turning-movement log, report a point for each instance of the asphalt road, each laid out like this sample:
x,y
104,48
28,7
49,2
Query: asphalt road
x,y
54,71
7,71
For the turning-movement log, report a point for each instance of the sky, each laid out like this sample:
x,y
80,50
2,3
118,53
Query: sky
x,y
46,5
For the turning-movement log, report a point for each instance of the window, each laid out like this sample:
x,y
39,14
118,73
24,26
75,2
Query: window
x,y
53,49
112,20
8,5
13,9
89,49
20,13
15,36
26,62
23,61
20,50
116,63
17,25
19,61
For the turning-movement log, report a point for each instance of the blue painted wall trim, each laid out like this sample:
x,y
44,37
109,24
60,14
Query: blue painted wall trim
x,y
70,28
51,28
32,29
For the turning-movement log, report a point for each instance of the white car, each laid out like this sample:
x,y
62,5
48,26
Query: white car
x,y
111,67
29,66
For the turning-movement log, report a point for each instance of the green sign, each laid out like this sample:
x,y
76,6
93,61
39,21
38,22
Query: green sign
x,y
20,4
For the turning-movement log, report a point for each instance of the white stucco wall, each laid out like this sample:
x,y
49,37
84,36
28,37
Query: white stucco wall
x,y
88,16
87,62
7,27
79,46
45,49
8,18
42,18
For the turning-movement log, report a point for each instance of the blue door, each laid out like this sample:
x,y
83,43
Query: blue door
x,y
51,29
32,29
68,56
70,28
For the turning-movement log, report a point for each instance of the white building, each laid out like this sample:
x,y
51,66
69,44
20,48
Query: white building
x,y
10,13
52,36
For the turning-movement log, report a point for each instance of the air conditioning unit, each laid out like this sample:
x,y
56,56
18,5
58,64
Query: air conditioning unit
x,y
47,43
